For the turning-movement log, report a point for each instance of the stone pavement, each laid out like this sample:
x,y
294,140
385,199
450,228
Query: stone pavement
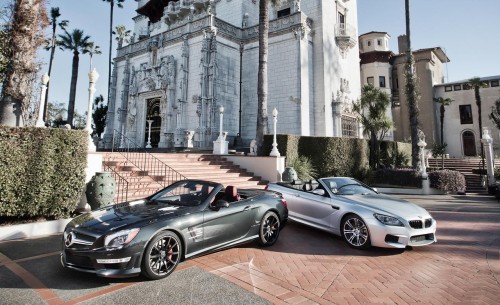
x,y
305,266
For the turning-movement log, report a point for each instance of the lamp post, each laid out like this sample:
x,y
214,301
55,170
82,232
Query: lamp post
x,y
93,76
221,112
39,120
274,151
149,134
220,145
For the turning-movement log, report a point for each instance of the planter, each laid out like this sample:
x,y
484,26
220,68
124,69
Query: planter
x,y
289,174
101,190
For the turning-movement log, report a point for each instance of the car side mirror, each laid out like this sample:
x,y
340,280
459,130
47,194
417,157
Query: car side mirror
x,y
320,192
220,204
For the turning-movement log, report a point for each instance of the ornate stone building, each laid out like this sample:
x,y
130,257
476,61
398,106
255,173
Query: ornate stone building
x,y
189,57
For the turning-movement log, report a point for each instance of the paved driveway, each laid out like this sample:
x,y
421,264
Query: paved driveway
x,y
305,266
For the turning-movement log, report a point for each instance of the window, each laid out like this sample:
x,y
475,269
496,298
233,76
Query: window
x,y
369,43
447,88
457,87
284,12
381,81
494,83
341,18
379,42
349,127
370,80
465,114
466,86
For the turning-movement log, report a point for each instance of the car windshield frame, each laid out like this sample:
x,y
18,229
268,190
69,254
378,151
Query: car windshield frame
x,y
341,182
186,193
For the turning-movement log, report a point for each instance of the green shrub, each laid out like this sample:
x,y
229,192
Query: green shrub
x,y
43,171
303,167
399,177
447,180
333,156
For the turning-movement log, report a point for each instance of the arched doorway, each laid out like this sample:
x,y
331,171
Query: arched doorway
x,y
153,113
469,143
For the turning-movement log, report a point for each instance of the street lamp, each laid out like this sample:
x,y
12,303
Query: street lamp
x,y
274,151
39,120
221,112
220,145
149,134
93,76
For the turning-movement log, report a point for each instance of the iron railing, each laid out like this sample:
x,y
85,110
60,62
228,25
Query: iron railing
x,y
121,184
150,166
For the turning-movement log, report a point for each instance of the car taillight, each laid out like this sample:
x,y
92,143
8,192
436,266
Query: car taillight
x,y
284,202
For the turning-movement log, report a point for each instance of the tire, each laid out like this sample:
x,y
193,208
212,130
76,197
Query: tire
x,y
355,232
269,230
162,255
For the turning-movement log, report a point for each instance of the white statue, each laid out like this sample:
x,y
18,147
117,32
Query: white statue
x,y
253,148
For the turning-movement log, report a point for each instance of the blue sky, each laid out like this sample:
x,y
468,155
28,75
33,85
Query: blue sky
x,y
467,30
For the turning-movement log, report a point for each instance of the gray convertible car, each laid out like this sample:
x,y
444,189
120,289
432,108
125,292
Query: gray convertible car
x,y
151,236
358,213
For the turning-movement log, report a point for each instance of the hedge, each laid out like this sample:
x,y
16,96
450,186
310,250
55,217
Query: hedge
x,y
330,156
42,171
400,177
447,180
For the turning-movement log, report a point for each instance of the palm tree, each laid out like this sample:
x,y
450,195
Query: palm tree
x,y
111,5
443,102
262,117
371,109
411,92
122,35
476,84
54,14
92,50
76,42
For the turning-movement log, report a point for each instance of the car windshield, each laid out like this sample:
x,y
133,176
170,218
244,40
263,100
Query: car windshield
x,y
184,193
347,186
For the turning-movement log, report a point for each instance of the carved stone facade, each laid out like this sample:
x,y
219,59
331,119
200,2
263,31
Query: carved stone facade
x,y
198,55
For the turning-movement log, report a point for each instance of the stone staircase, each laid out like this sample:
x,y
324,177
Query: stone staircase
x,y
465,166
137,182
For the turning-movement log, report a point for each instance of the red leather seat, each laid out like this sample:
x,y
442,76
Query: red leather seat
x,y
231,194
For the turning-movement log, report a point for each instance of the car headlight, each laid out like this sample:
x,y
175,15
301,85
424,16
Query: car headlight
x,y
121,238
388,220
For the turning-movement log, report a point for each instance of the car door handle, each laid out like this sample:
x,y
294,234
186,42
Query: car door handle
x,y
335,207
247,208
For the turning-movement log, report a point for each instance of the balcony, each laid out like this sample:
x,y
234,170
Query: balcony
x,y
345,36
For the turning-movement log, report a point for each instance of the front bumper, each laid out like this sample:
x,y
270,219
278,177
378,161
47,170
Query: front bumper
x,y
400,237
87,261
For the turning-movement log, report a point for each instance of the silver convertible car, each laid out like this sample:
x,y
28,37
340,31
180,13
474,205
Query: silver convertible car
x,y
358,213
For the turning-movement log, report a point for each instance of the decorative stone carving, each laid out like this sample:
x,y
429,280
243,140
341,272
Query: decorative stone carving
x,y
253,148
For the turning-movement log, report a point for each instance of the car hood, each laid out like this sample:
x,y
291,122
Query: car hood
x,y
125,214
388,205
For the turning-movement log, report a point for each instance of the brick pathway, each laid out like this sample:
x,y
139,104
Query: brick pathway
x,y
307,266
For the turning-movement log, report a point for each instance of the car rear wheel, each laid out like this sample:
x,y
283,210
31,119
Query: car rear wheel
x,y
162,255
355,232
269,229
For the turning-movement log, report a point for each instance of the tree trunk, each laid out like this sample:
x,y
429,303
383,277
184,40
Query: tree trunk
x,y
442,135
72,90
480,121
262,117
52,52
411,94
112,3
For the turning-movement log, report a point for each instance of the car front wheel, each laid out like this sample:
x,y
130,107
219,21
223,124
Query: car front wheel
x,y
162,255
355,232
269,229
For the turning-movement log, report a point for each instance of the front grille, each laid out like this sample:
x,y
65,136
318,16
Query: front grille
x,y
416,224
428,222
79,261
418,238
79,240
419,224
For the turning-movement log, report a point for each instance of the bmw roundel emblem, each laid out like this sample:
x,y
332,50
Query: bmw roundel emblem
x,y
69,239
